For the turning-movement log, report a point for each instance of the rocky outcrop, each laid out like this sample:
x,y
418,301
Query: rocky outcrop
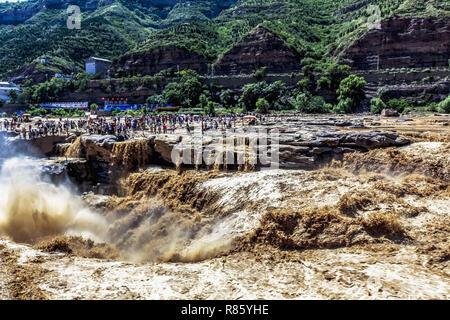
x,y
302,145
19,15
261,48
418,93
311,150
403,43
42,146
16,16
157,59
389,113
28,72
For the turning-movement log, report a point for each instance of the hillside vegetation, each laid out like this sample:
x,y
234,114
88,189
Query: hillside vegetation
x,y
317,29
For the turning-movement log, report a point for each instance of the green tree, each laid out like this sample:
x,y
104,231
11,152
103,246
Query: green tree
x,y
351,93
377,105
185,92
262,106
173,93
210,108
399,105
311,104
251,93
228,99
12,96
155,99
323,83
344,106
305,85
191,89
336,73
93,107
444,106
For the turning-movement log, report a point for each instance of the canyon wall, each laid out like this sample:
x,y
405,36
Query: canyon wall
x,y
157,59
261,48
19,15
402,43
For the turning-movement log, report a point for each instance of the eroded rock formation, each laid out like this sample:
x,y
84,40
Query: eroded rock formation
x,y
157,59
261,48
403,43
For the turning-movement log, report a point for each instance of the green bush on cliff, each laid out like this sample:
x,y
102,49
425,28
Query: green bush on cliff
x,y
377,105
336,73
260,73
323,83
444,106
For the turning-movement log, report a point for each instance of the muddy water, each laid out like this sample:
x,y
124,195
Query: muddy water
x,y
375,225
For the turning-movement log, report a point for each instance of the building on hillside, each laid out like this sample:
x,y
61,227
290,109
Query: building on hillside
x,y
45,60
97,66
5,89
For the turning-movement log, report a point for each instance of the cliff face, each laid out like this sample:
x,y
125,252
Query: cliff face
x,y
261,48
157,59
403,43
20,15
28,72
16,16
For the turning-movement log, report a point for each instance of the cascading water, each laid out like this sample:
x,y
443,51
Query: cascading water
x,y
32,207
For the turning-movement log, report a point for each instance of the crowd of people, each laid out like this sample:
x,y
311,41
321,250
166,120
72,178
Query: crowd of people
x,y
119,125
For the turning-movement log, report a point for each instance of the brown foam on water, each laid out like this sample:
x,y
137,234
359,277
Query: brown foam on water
x,y
79,246
428,158
153,229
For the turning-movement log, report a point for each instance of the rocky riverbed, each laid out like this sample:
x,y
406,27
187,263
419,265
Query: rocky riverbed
x,y
358,208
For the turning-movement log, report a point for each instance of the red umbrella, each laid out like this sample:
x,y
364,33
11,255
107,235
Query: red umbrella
x,y
249,117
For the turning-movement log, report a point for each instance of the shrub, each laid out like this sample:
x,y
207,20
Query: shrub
x,y
323,83
262,106
305,85
398,105
227,98
377,105
344,106
260,73
444,106
315,104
